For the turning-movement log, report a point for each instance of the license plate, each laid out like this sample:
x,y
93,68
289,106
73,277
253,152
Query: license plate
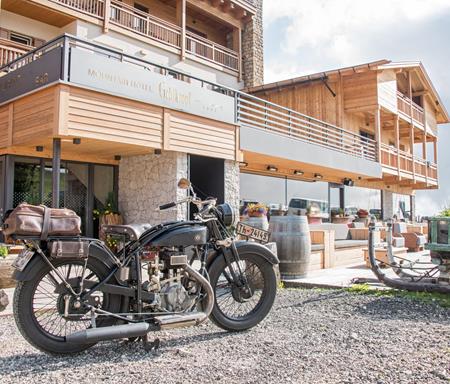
x,y
22,259
252,232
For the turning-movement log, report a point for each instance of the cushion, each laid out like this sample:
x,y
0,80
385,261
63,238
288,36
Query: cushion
x,y
357,224
338,244
400,228
398,242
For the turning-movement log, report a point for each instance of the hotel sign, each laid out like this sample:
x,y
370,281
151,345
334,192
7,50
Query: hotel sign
x,y
43,70
138,83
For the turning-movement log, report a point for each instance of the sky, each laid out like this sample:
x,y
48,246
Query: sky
x,y
308,36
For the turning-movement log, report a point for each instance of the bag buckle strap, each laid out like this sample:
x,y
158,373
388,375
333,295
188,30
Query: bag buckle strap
x,y
45,223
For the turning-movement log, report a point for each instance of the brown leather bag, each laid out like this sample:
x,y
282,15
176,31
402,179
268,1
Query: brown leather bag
x,y
39,220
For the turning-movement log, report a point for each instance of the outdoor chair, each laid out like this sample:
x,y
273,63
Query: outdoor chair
x,y
413,241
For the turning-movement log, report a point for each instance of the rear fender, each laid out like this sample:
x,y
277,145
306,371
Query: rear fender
x,y
37,262
247,247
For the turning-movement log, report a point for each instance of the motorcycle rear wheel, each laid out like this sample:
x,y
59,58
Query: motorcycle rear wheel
x,y
234,309
32,299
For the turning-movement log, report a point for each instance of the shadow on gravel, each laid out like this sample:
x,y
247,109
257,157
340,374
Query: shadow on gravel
x,y
322,296
112,352
394,308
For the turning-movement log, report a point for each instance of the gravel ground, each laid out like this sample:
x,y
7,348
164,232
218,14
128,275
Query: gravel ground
x,y
311,336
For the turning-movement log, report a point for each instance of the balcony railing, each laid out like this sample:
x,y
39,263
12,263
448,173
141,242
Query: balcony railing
x,y
250,111
397,159
156,29
261,114
9,51
404,106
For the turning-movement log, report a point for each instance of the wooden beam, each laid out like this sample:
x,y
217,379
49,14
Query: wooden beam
x,y
411,131
397,142
183,28
378,132
106,16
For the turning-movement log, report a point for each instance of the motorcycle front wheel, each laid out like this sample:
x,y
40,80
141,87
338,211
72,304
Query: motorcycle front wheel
x,y
238,308
42,303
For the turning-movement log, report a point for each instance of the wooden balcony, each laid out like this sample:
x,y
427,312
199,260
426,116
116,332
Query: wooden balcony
x,y
407,165
125,17
408,108
9,51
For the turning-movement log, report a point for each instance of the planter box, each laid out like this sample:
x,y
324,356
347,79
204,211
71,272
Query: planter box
x,y
6,271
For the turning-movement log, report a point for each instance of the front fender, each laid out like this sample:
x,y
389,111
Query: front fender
x,y
245,247
95,251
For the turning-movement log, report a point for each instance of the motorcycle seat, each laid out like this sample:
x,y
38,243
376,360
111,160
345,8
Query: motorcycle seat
x,y
132,231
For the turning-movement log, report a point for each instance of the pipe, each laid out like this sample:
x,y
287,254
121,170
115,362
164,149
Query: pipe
x,y
398,283
94,335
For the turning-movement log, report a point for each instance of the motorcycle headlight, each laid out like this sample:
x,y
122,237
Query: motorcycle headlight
x,y
227,214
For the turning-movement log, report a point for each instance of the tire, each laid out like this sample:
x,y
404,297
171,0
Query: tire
x,y
266,300
26,320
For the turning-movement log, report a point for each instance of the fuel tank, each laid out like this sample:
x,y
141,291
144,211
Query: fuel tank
x,y
182,237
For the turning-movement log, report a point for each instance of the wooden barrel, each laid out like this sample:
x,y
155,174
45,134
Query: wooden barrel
x,y
291,234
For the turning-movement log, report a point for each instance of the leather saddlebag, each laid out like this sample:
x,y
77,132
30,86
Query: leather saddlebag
x,y
72,249
39,220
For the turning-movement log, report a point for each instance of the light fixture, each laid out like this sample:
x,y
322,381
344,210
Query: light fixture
x,y
318,176
243,164
348,182
39,148
117,157
157,152
272,168
76,141
298,173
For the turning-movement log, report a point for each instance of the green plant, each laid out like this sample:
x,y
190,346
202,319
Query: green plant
x,y
445,212
109,207
441,299
3,251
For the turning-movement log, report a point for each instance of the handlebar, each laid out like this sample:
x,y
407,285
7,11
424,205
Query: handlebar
x,y
190,199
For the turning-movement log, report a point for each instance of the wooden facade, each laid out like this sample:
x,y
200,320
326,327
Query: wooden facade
x,y
394,104
108,126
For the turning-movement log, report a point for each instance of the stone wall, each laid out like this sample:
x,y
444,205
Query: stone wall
x,y
253,48
147,181
232,194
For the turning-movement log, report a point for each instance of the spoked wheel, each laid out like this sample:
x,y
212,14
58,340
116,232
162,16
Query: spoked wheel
x,y
241,306
46,312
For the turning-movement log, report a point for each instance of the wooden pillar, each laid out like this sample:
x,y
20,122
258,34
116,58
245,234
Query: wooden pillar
x,y
397,141
424,154
411,124
378,132
181,18
56,171
106,16
435,150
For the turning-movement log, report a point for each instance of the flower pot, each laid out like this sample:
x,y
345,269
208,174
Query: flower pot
x,y
314,220
260,222
6,271
340,220
109,219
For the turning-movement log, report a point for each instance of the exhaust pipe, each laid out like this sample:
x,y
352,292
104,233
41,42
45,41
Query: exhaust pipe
x,y
94,335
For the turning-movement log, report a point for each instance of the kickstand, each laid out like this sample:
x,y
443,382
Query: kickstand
x,y
150,345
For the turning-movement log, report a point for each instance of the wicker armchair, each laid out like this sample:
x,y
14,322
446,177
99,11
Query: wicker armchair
x,y
414,241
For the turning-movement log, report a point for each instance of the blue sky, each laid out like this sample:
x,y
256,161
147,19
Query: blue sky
x,y
307,36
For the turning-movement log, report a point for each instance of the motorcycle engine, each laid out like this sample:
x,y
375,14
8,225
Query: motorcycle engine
x,y
175,298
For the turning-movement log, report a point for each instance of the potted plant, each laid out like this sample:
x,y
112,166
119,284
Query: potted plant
x,y
341,218
6,270
362,213
257,216
107,215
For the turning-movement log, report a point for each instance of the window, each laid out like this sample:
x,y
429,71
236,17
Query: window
x,y
26,40
197,32
367,135
141,7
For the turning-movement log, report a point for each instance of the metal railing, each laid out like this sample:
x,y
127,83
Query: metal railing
x,y
261,114
250,111
395,159
10,51
404,104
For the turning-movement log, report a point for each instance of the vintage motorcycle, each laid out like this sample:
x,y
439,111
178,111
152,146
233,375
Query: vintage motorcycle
x,y
171,275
